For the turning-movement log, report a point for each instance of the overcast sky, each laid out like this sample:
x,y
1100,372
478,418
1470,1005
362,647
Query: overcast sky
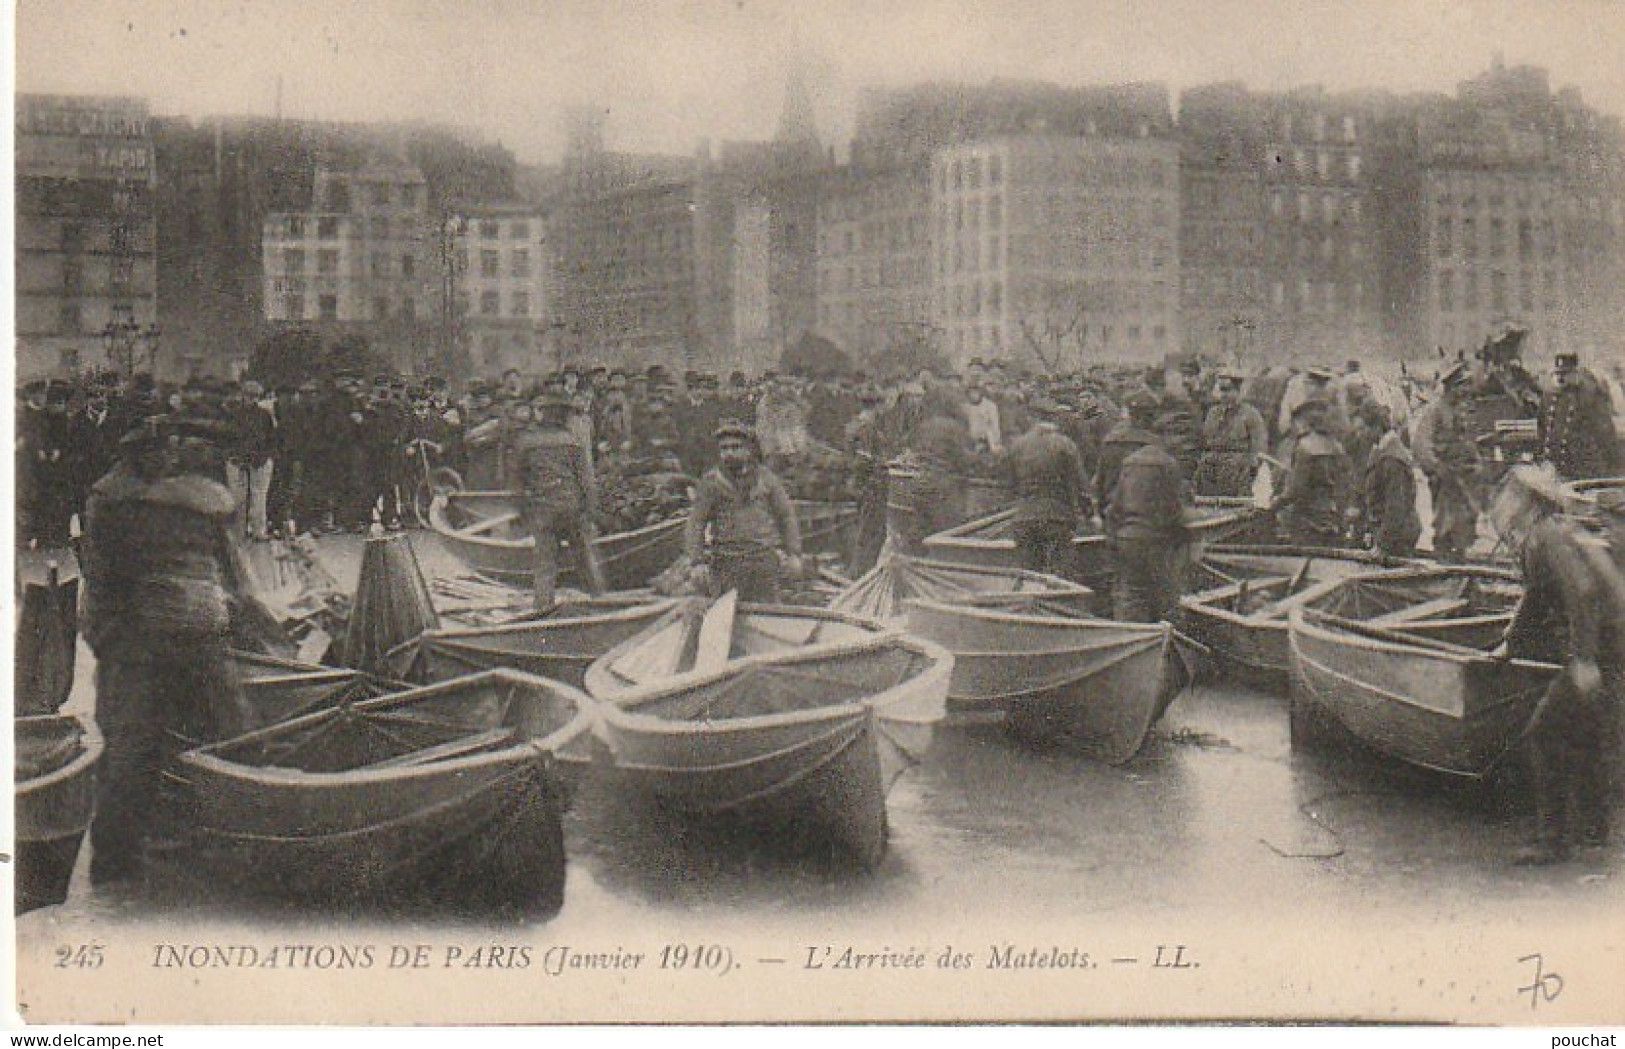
x,y
670,73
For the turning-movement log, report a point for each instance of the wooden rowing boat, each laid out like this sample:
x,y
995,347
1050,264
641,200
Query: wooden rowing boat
x,y
1095,685
278,689
881,592
990,542
56,789
800,743
826,528
485,531
1432,704
561,643
449,795
693,636
1239,614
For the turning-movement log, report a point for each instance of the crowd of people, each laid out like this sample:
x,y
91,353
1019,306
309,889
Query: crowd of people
x,y
167,482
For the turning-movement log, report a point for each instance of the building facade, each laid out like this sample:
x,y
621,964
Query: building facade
x,y
1522,203
1221,222
362,261
502,267
1056,251
86,238
1321,302
874,258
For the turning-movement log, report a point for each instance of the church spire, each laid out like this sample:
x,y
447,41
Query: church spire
x,y
797,126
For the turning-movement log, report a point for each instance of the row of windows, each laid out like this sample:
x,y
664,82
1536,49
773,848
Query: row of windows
x,y
377,193
1309,296
1497,242
1325,165
326,226
1501,288
1318,127
406,308
883,273
1330,206
885,234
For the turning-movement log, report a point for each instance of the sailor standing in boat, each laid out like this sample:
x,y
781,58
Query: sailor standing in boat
x,y
1572,613
749,517
1234,438
159,575
550,468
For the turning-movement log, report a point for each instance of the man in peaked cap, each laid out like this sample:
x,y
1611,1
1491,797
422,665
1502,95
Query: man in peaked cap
x,y
743,522
1234,438
1576,423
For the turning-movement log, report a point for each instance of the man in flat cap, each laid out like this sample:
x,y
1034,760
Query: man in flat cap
x,y
743,522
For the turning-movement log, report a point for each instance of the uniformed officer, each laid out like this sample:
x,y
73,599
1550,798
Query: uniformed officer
x,y
743,521
549,467
1234,436
1577,433
159,578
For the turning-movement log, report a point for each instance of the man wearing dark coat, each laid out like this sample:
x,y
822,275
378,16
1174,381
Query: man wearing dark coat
x,y
1045,475
1311,510
1388,491
558,499
1572,613
161,571
1577,433
1145,524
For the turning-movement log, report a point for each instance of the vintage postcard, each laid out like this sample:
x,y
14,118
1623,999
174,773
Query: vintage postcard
x,y
750,512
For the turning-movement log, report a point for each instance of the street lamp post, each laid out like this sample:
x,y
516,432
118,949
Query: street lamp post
x,y
452,226
124,341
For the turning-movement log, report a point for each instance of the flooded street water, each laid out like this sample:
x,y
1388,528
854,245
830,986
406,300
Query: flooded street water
x,y
1218,819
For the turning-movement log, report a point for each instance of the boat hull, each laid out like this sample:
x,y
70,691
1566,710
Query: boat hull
x,y
1096,686
478,830
823,769
560,648
628,559
987,542
55,799
1441,711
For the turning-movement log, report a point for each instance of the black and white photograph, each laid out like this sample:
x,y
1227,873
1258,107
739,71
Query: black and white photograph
x,y
735,512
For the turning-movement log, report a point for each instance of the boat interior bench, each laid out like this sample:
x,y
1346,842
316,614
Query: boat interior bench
x,y
457,748
1437,608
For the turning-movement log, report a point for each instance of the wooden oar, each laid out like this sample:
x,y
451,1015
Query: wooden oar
x,y
489,524
1356,626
